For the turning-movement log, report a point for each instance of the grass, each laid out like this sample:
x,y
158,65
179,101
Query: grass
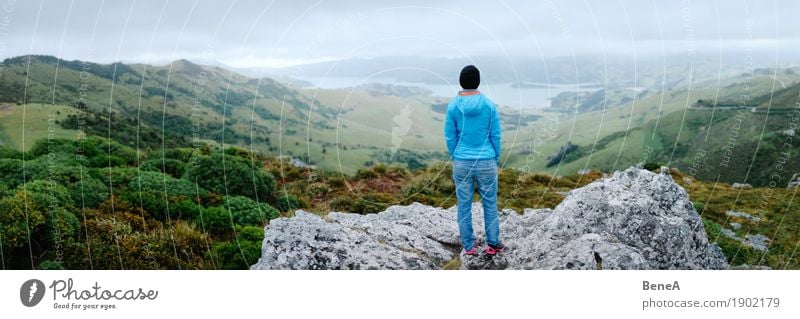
x,y
780,221
33,121
517,190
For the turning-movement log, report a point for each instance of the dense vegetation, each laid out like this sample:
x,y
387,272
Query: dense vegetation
x,y
97,204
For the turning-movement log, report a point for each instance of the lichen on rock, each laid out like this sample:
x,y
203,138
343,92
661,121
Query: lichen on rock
x,y
634,219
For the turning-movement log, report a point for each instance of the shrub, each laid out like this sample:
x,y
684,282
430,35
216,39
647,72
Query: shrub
x,y
118,176
287,202
336,181
55,145
11,172
16,219
246,211
106,160
698,206
48,194
242,252
369,203
50,265
180,154
652,166
39,215
229,175
185,209
85,190
172,167
6,152
429,183
159,183
216,221
155,204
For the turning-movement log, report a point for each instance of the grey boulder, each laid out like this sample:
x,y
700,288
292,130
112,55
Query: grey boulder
x,y
634,219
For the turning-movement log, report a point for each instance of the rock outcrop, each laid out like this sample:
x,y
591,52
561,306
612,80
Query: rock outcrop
x,y
742,186
634,219
794,181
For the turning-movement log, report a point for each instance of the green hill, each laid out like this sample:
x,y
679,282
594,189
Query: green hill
x,y
177,104
668,127
179,167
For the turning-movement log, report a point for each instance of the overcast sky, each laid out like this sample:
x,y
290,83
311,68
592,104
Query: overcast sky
x,y
281,33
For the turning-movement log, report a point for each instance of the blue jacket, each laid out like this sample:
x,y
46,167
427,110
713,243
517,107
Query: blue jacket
x,y
472,127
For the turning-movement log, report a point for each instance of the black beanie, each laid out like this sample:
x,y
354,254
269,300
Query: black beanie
x,y
470,77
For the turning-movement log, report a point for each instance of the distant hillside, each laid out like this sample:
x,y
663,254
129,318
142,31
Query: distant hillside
x,y
181,103
588,101
788,97
670,127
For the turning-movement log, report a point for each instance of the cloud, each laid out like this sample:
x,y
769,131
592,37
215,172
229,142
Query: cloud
x,y
281,33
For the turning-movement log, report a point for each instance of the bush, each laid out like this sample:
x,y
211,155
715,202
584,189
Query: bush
x,y
652,166
185,209
229,175
6,152
429,183
105,160
104,150
287,202
85,190
39,215
180,154
156,182
50,265
246,211
369,203
172,167
118,176
336,181
698,206
216,221
16,219
55,145
115,245
242,252
48,194
11,172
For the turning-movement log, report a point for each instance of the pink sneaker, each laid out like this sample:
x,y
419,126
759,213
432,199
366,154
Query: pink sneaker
x,y
471,251
492,250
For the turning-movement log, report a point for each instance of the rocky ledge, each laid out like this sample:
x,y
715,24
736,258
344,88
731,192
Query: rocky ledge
x,y
634,219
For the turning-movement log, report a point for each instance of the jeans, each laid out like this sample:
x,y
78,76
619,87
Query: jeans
x,y
465,174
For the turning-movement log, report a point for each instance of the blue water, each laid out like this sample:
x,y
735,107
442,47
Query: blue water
x,y
501,93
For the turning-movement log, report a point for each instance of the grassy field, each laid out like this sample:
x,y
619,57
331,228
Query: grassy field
x,y
22,125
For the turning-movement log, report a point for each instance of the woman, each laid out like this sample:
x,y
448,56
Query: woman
x,y
472,131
